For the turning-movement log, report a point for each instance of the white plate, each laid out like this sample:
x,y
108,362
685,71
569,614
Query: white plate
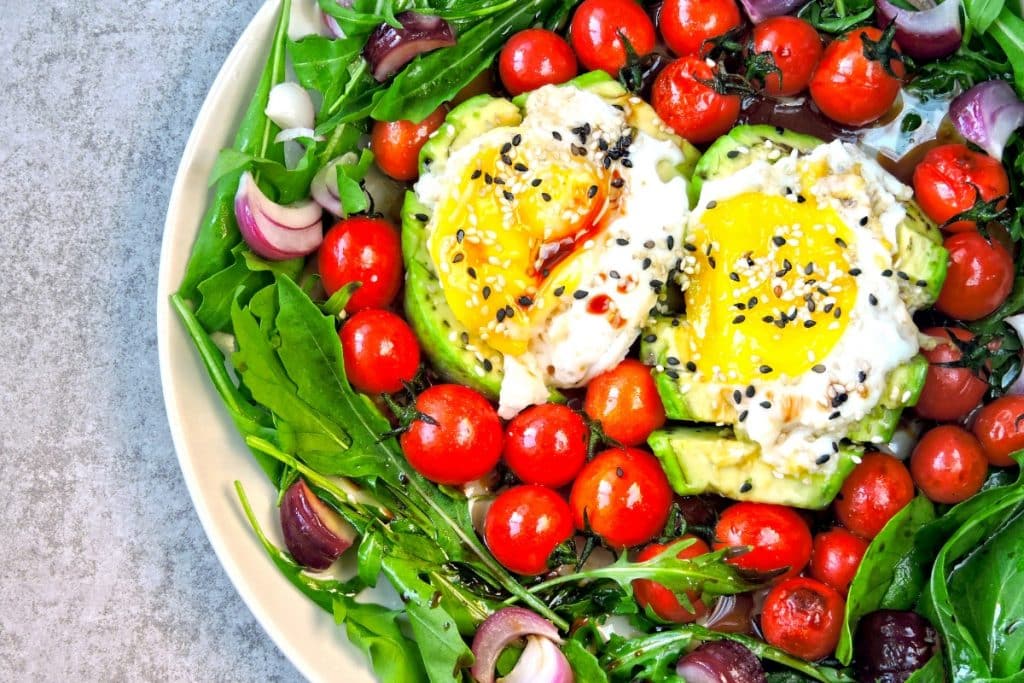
x,y
211,454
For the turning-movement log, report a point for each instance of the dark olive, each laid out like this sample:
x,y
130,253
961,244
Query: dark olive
x,y
891,645
314,533
721,661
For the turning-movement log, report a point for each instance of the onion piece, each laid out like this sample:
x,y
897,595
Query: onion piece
x,y
290,106
541,662
501,628
331,23
388,49
987,115
759,10
274,231
731,614
721,661
930,33
324,188
289,134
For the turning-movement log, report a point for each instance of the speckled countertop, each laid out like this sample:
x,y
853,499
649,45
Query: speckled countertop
x,y
106,573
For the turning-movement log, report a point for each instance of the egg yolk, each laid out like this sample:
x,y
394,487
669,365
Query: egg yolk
x,y
772,289
506,238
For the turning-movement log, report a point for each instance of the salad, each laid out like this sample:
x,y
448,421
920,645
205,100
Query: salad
x,y
676,341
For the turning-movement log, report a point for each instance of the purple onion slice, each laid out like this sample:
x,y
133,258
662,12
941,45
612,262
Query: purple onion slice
x,y
499,630
389,49
314,534
759,10
987,115
721,661
929,33
274,231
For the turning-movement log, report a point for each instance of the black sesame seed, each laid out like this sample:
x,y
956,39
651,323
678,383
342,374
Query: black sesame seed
x,y
525,301
559,290
506,159
506,148
627,163
545,196
712,204
778,240
691,366
764,369
460,234
740,306
712,262
516,139
464,337
458,257
737,396
864,220
746,487
536,182
821,290
579,150
732,153
828,308
592,192
887,273
646,263
750,391
822,459
903,276
657,284
855,271
614,274
650,338
818,368
738,319
670,242
743,415
618,182
649,244
499,180
471,271
602,144
500,315
488,178
872,299
672,360
768,319
621,241
488,365
509,311
579,294
809,268
422,217
861,376
476,174
672,373
486,292
837,313
619,472
765,404
521,167
921,283
839,400
800,199
811,306
751,302
507,195
675,322
809,324
734,277
834,415
841,242
556,135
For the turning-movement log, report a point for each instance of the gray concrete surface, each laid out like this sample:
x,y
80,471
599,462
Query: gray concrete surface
x,y
105,572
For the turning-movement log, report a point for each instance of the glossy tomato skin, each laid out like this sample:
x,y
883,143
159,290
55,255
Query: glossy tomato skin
x,y
396,145
999,427
836,556
533,58
381,352
623,495
948,464
779,536
850,88
796,48
660,599
462,445
689,107
625,401
878,488
523,527
979,278
594,33
804,617
945,182
365,250
686,24
546,444
949,393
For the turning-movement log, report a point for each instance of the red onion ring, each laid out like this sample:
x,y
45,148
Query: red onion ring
x,y
930,33
273,231
759,10
499,630
721,661
388,49
324,188
541,662
987,115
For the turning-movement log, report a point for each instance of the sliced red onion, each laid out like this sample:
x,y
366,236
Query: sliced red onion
x,y
721,661
289,134
332,24
274,231
290,106
1017,323
987,115
541,662
314,533
389,49
930,33
731,614
324,187
759,10
499,630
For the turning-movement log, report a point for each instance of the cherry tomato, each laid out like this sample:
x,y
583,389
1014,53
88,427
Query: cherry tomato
x,y
365,250
979,278
795,47
804,617
999,427
464,441
779,536
948,464
533,58
850,88
396,145
951,178
623,495
686,24
661,600
626,403
381,351
523,527
546,444
836,556
691,108
878,488
594,33
949,393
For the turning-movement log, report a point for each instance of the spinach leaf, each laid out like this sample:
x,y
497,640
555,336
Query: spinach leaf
x,y
442,649
981,13
239,281
891,574
321,63
375,630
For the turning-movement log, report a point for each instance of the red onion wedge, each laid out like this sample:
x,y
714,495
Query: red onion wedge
x,y
721,661
314,534
388,49
324,188
541,662
987,115
273,231
499,630
929,33
759,10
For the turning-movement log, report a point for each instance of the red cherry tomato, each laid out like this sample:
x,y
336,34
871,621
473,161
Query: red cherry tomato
x,y
686,24
794,46
546,444
979,278
836,556
594,33
626,403
850,88
463,444
804,617
523,527
999,427
623,495
365,250
949,393
533,58
396,145
948,464
381,351
779,536
878,488
691,108
660,599
950,179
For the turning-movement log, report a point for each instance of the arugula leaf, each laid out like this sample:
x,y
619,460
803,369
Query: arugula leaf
x,y
837,16
374,629
442,649
981,13
584,664
1008,31
321,64
972,63
351,194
